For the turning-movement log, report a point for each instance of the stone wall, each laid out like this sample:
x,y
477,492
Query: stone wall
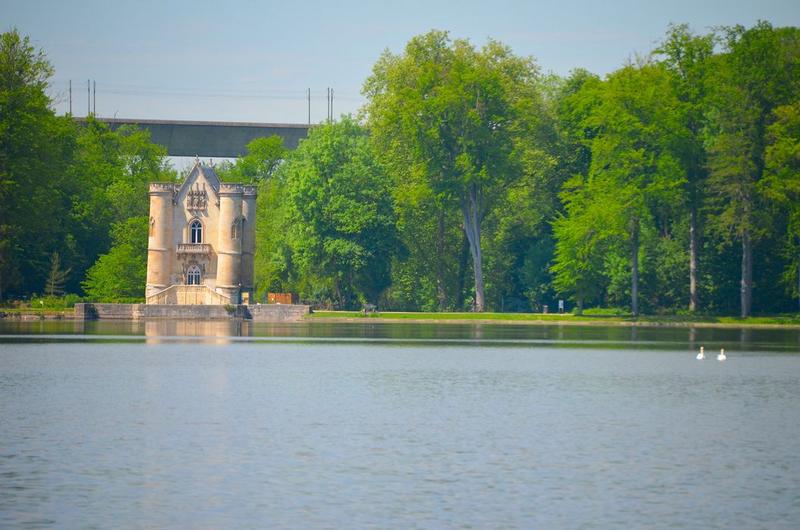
x,y
256,313
278,312
187,295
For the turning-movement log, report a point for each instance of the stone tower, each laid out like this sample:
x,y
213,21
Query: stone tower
x,y
201,241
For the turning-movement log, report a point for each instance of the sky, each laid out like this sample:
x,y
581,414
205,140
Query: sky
x,y
253,61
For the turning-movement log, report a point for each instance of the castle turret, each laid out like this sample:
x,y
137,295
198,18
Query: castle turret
x,y
229,244
248,240
159,247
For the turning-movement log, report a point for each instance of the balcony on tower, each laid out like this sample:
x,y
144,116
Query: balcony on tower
x,y
202,249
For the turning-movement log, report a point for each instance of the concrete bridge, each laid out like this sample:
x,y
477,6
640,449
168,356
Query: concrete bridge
x,y
210,138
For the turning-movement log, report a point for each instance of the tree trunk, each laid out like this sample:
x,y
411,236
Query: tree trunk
x,y
470,207
463,259
579,306
693,300
441,294
798,285
635,267
747,274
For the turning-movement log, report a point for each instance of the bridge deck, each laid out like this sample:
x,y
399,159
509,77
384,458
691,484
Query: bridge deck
x,y
210,138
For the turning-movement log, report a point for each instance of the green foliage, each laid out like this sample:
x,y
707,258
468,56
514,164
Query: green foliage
x,y
120,274
114,169
67,301
478,184
261,166
264,156
756,75
781,185
35,149
635,177
342,225
463,120
56,277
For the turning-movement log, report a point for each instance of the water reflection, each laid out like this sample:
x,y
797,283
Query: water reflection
x,y
209,331
226,331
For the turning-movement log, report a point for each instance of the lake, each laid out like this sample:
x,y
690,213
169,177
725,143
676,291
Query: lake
x,y
377,425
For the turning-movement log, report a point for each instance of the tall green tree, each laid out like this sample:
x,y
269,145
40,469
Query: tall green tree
x,y
111,172
261,165
581,235
35,150
120,274
782,184
56,277
634,173
342,225
264,156
688,58
464,118
575,265
756,74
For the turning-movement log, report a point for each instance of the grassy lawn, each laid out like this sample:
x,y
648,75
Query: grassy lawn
x,y
791,319
39,311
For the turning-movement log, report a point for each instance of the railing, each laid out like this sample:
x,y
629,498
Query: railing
x,y
194,248
162,186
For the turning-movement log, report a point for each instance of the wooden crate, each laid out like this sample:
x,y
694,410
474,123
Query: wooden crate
x,y
282,298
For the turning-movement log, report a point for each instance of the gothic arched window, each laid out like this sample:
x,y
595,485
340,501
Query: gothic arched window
x,y
196,232
193,275
235,229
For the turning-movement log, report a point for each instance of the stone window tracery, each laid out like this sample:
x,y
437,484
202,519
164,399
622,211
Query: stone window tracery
x,y
193,275
196,198
196,232
236,228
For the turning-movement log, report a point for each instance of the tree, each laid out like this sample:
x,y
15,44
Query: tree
x,y
687,58
264,156
121,273
633,175
465,120
56,277
576,267
273,253
753,78
342,225
110,174
782,183
580,235
260,166
35,149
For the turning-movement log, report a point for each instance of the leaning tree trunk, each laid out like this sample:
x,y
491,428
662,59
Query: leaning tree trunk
x,y
747,274
635,267
693,299
441,294
470,207
463,259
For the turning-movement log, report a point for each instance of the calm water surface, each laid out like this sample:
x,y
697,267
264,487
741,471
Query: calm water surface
x,y
235,425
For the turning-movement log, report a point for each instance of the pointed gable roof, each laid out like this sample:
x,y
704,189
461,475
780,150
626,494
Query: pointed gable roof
x,y
199,169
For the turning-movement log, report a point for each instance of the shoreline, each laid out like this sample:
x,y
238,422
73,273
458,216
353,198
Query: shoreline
x,y
552,322
521,319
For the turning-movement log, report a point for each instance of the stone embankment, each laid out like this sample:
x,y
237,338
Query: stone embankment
x,y
256,313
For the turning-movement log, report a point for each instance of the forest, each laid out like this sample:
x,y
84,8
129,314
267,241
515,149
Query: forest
x,y
469,181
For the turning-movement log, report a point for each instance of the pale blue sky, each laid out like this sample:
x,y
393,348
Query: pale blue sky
x,y
252,61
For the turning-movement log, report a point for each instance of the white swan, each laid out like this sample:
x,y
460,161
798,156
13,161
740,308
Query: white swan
x,y
702,354
721,356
